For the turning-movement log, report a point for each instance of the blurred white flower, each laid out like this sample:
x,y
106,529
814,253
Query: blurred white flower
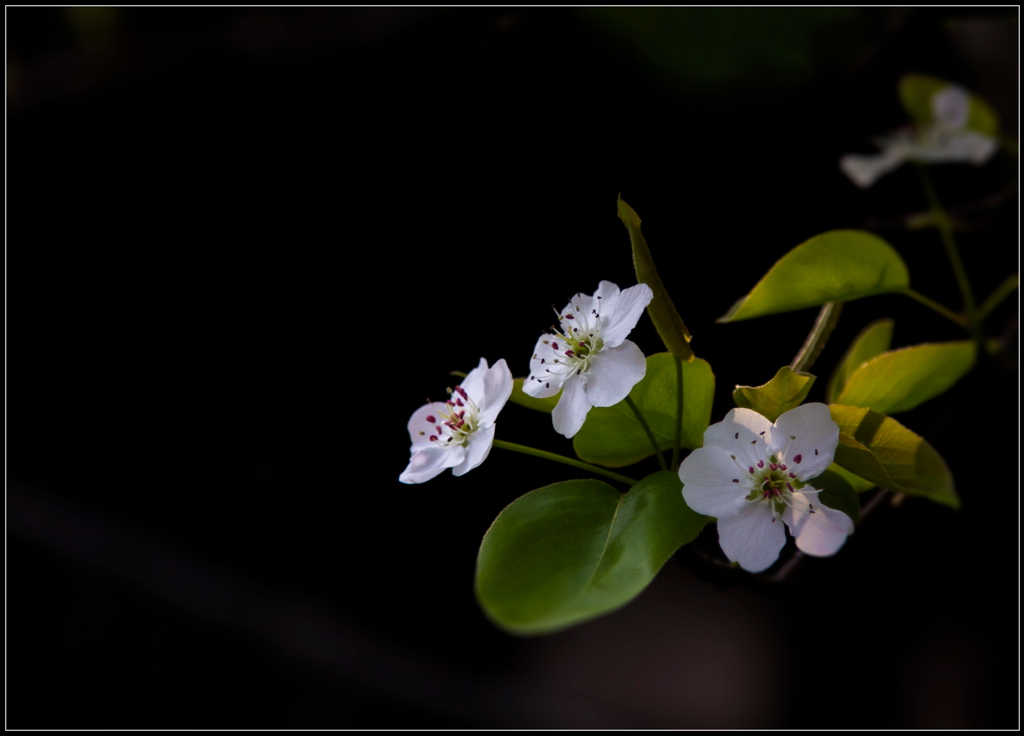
x,y
458,433
946,140
590,361
751,473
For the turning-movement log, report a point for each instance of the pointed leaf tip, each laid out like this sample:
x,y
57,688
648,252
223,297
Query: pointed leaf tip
x,y
837,266
663,312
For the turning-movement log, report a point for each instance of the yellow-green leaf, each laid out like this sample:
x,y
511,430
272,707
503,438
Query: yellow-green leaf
x,y
901,379
858,459
787,390
663,311
874,339
860,485
837,266
883,451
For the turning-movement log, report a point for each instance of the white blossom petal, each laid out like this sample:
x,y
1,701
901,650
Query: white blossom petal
x,y
963,147
473,383
430,462
743,433
497,387
951,106
979,148
864,169
614,372
751,537
606,297
477,449
617,322
571,411
818,530
423,424
805,439
713,483
542,382
583,308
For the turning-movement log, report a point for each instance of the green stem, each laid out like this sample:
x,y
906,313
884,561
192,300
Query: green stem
x,y
677,447
934,305
564,460
828,316
946,232
1002,291
647,429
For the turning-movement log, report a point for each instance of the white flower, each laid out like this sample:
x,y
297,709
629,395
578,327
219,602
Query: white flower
x,y
590,360
458,433
750,473
945,141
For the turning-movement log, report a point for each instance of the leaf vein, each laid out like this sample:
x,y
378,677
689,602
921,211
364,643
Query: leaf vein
x,y
611,528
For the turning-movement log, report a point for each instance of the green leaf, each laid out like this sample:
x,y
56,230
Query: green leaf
x,y
859,485
874,339
571,551
613,437
523,399
837,266
663,311
901,379
784,392
837,493
905,458
917,90
859,460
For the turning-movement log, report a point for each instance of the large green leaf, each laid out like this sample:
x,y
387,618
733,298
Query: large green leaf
x,y
613,437
662,310
785,391
837,266
571,551
859,485
917,90
837,493
909,464
856,458
901,379
522,398
874,339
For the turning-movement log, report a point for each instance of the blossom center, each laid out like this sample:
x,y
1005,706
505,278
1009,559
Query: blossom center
x,y
773,484
578,342
456,422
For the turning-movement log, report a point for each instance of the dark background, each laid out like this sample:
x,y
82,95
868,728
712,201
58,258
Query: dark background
x,y
245,244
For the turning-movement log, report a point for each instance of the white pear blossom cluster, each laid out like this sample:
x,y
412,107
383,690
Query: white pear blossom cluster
x,y
754,477
590,361
946,140
751,474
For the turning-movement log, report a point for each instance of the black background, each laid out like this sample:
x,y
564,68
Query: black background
x,y
245,244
